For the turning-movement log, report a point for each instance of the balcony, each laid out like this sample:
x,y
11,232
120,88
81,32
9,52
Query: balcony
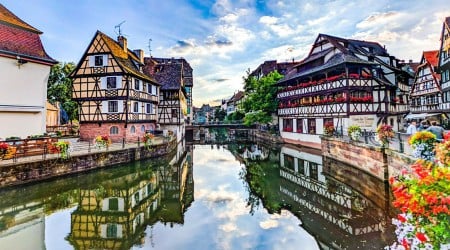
x,y
431,107
334,82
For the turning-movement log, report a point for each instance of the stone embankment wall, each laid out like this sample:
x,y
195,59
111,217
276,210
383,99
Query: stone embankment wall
x,y
22,173
266,136
397,162
376,161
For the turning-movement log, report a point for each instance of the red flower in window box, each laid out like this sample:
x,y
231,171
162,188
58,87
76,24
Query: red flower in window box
x,y
288,129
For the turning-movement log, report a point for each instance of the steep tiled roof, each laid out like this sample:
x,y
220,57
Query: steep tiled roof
x,y
7,17
349,49
333,61
169,76
171,73
18,38
236,97
186,67
431,57
447,21
124,59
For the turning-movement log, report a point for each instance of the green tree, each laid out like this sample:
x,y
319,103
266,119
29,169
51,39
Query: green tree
x,y
260,101
59,88
220,114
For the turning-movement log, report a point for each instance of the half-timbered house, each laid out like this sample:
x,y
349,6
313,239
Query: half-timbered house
x,y
234,102
444,64
426,94
344,82
114,213
24,69
114,95
173,75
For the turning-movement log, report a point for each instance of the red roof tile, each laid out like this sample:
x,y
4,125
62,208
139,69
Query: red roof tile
x,y
431,57
18,38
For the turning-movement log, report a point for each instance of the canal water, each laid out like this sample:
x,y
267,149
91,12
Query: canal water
x,y
235,196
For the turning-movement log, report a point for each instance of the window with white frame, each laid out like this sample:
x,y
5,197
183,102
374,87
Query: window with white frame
x,y
111,231
98,60
144,87
149,108
149,88
114,130
113,106
111,82
135,107
154,90
137,84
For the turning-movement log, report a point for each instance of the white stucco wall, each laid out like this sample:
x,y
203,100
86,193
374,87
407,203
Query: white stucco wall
x,y
23,97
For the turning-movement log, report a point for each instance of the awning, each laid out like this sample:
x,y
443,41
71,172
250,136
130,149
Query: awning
x,y
419,116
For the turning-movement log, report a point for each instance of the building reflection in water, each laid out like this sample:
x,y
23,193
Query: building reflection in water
x,y
340,206
22,226
115,213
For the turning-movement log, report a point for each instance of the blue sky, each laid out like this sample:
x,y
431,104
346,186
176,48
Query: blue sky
x,y
221,39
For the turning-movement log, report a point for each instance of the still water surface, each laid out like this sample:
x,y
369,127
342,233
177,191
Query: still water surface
x,y
203,197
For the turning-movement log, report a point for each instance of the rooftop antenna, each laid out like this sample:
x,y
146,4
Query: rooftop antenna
x,y
117,28
150,46
290,50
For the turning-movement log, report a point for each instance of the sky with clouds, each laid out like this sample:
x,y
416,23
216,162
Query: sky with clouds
x,y
221,39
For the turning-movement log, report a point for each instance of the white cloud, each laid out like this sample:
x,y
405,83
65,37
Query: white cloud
x,y
268,224
379,19
268,20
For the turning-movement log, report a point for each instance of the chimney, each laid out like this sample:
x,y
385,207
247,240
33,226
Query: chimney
x,y
140,55
123,42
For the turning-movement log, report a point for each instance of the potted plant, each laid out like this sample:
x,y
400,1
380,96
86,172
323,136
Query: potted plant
x,y
328,129
63,148
354,131
3,149
384,134
422,143
148,139
102,141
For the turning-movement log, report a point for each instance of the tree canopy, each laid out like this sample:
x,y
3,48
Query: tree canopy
x,y
59,88
260,101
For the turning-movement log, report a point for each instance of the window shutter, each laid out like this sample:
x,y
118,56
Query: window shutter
x,y
154,90
119,82
121,204
103,82
120,106
105,107
105,60
91,61
103,230
105,205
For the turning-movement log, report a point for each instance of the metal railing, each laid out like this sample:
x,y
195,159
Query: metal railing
x,y
398,143
34,149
